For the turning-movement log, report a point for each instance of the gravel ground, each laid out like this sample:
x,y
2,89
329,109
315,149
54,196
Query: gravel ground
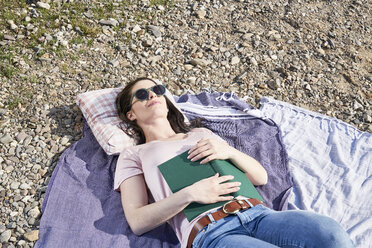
x,y
311,53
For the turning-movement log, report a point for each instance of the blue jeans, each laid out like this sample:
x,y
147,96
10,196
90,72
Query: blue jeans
x,y
262,227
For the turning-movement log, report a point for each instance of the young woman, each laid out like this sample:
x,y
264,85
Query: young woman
x,y
162,135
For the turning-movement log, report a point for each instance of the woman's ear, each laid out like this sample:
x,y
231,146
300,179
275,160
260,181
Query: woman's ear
x,y
130,115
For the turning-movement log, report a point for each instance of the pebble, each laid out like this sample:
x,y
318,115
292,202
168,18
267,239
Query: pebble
x,y
147,43
34,213
5,236
21,137
15,185
274,84
6,139
191,80
9,37
114,63
64,141
109,22
155,30
136,28
43,5
357,105
254,61
200,62
235,60
201,14
12,25
32,236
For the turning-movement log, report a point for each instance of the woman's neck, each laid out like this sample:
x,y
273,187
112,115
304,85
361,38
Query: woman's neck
x,y
159,130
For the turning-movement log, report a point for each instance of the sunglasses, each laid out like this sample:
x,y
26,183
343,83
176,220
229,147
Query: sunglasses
x,y
143,94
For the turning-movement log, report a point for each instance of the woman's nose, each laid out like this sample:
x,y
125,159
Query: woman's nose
x,y
151,94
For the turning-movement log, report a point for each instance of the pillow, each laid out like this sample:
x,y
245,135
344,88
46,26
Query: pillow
x,y
99,110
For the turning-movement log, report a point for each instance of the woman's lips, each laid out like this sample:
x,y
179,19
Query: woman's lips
x,y
152,103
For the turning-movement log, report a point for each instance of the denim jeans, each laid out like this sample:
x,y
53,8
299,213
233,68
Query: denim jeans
x,y
262,227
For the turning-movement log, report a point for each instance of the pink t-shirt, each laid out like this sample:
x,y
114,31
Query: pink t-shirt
x,y
145,158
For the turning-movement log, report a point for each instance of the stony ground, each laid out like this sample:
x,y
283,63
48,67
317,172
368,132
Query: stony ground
x,y
311,53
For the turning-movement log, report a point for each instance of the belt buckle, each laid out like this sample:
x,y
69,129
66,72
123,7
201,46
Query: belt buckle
x,y
240,202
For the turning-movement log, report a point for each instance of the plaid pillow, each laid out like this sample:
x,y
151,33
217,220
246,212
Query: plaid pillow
x,y
99,110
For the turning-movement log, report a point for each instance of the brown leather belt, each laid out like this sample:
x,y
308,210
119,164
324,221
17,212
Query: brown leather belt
x,y
231,207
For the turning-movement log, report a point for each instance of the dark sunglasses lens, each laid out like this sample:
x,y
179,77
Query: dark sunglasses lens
x,y
159,90
142,94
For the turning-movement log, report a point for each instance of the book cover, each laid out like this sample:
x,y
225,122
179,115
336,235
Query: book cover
x,y
180,172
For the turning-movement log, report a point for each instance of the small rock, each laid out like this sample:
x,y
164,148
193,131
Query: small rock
x,y
12,25
254,61
15,185
64,43
21,243
200,14
6,139
24,186
43,5
308,87
367,117
201,62
191,80
155,30
136,28
357,105
154,59
235,60
9,37
147,43
34,213
32,236
5,236
27,141
64,141
274,84
110,22
21,137
114,63
188,67
321,51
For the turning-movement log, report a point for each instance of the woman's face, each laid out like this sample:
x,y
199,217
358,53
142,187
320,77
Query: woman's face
x,y
150,109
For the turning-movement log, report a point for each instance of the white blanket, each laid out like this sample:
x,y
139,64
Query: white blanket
x,y
331,165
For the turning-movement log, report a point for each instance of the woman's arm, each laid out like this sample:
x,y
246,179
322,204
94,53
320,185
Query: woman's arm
x,y
211,149
143,217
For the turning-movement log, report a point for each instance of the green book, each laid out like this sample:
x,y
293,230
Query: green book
x,y
180,172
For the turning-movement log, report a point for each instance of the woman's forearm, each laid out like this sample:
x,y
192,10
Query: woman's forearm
x,y
144,218
252,168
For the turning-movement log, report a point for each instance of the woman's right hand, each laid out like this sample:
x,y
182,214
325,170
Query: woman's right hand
x,y
213,189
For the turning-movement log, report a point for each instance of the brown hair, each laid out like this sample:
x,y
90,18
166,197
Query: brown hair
x,y
175,117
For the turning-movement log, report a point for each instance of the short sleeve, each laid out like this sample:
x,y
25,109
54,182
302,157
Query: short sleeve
x,y
128,165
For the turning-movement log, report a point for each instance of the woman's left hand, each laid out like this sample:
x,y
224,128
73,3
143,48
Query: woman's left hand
x,y
210,149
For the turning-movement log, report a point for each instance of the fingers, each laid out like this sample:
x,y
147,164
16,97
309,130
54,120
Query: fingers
x,y
207,153
200,150
208,159
216,188
225,178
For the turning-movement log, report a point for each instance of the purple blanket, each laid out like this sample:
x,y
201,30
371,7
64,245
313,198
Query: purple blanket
x,y
81,209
